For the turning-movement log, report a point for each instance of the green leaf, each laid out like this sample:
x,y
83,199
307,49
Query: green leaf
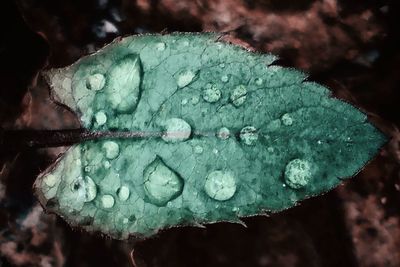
x,y
205,131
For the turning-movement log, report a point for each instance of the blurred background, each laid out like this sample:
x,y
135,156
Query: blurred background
x,y
350,46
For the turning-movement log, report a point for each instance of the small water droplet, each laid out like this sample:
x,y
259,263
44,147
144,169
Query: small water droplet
x,y
220,185
95,82
198,149
211,93
88,169
160,46
185,78
161,183
176,130
106,164
195,100
184,101
222,65
111,149
258,81
84,188
101,118
225,78
238,95
123,193
50,180
107,201
319,142
215,151
249,135
297,173
287,119
223,133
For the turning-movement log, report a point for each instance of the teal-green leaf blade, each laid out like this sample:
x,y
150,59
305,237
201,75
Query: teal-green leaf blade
x,y
223,134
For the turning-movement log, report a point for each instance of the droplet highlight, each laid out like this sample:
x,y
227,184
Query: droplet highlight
x,y
111,149
160,46
238,96
107,201
176,130
211,93
161,183
123,193
223,133
220,185
95,82
185,78
298,173
101,118
287,119
248,135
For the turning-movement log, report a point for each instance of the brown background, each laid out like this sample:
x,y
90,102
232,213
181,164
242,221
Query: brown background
x,y
350,46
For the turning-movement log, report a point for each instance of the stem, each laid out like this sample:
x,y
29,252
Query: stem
x,y
17,139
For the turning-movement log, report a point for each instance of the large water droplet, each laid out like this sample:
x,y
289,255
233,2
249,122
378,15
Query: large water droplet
x,y
287,119
101,118
84,189
223,133
123,193
107,201
123,84
176,130
298,173
238,95
161,183
111,149
185,78
211,93
220,185
95,82
249,135
160,46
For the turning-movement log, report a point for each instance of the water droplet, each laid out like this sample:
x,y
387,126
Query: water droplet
x,y
50,180
161,184
84,188
238,95
95,82
222,65
88,169
111,149
258,81
211,93
124,84
220,185
185,78
106,164
248,135
198,149
297,173
184,101
123,193
319,142
160,46
225,78
195,100
223,133
215,151
287,119
100,118
107,201
176,130
125,220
